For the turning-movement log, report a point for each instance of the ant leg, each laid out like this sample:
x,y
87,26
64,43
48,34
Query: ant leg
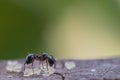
x,y
42,65
32,66
24,66
47,63
42,62
39,62
54,65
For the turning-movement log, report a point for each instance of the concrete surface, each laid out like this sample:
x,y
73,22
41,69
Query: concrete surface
x,y
102,69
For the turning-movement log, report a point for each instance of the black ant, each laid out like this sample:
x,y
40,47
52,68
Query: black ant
x,y
43,57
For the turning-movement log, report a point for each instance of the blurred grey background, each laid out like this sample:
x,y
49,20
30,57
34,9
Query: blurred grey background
x,y
77,29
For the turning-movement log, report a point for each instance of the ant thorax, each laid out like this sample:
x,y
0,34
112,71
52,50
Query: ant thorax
x,y
44,56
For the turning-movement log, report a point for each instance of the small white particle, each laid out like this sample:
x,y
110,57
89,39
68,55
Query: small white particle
x,y
37,71
47,72
13,66
10,76
93,70
28,72
12,62
70,65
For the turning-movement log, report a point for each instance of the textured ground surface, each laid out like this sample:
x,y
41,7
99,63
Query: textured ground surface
x,y
104,69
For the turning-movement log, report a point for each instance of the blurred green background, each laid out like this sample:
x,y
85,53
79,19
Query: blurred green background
x,y
77,29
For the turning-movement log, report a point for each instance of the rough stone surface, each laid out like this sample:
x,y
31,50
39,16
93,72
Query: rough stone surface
x,y
102,69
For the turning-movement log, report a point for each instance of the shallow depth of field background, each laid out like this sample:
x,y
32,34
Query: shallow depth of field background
x,y
77,29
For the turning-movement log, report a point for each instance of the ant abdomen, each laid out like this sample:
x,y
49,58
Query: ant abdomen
x,y
29,58
51,60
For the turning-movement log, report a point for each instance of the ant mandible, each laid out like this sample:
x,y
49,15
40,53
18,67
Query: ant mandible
x,y
43,57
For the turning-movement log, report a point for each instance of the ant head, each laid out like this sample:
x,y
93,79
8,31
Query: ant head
x,y
36,57
43,56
